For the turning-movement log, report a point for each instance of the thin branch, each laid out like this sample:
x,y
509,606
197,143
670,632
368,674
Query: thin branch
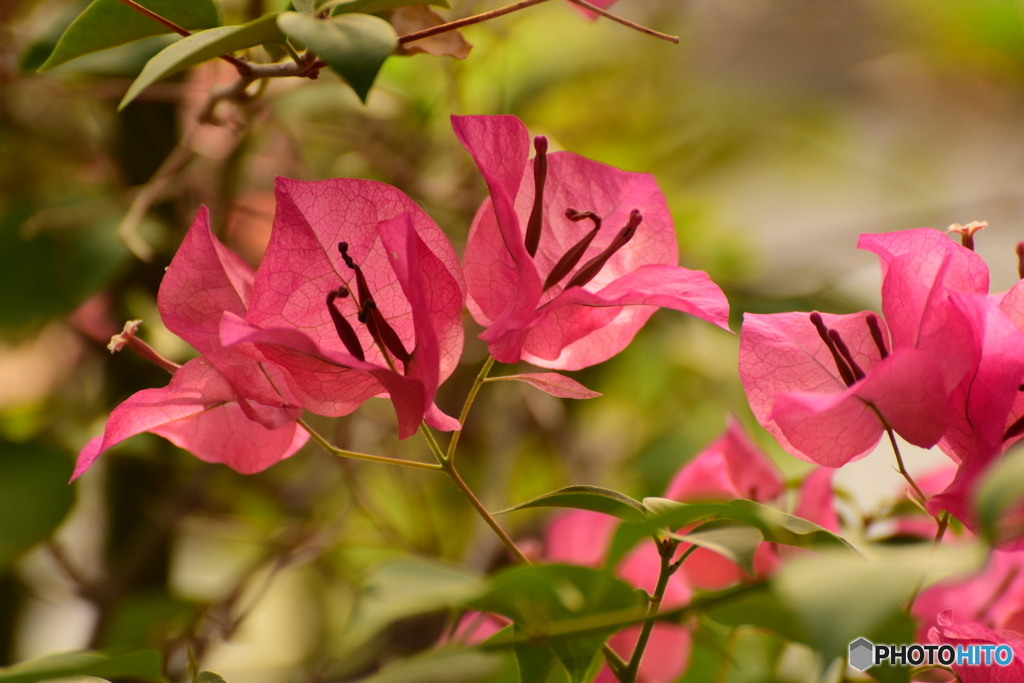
x,y
665,550
625,22
922,498
365,456
477,383
475,19
243,67
491,522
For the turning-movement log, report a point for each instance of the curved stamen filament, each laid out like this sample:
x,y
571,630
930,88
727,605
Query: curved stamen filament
x,y
384,336
876,334
591,268
344,329
858,374
844,370
576,251
540,174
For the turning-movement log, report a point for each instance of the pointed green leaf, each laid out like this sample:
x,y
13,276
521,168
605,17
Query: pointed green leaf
x,y
142,666
593,498
201,47
735,541
109,23
376,6
779,527
354,45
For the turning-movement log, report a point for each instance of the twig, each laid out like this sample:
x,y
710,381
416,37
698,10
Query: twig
x,y
477,383
243,67
625,22
475,19
491,522
365,456
666,549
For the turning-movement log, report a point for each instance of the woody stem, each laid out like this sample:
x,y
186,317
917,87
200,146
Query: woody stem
x,y
666,549
364,456
625,22
921,497
475,19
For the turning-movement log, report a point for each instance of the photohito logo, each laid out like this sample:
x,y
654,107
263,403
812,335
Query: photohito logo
x,y
864,654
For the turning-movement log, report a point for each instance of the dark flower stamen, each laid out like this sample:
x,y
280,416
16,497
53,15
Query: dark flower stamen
x,y
592,267
540,174
823,332
383,334
1020,259
858,374
345,332
576,251
1016,429
876,334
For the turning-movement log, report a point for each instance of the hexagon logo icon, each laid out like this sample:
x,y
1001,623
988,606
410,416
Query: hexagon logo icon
x,y
861,654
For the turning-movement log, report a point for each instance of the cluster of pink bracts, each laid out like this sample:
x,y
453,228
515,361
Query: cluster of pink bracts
x,y
360,294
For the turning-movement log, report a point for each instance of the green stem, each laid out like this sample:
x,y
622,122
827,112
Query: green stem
x,y
922,498
665,549
449,468
474,390
365,456
943,525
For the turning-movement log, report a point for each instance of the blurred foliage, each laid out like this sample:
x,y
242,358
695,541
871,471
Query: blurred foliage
x,y
778,130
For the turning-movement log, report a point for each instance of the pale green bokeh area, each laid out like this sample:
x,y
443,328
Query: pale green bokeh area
x,y
778,130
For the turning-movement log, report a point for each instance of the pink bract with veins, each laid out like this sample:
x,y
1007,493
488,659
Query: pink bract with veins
x,y
550,323
825,402
225,406
411,274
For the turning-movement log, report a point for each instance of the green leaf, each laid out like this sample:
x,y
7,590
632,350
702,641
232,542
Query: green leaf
x,y
1000,491
404,589
201,47
593,498
144,665
109,23
354,45
537,598
444,666
34,495
776,526
735,541
208,677
376,6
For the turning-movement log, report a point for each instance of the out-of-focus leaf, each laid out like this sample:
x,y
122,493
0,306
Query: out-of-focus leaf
x,y
534,661
304,6
143,666
50,274
445,666
415,18
404,589
146,620
664,514
376,6
34,495
733,540
354,45
208,677
109,23
203,46
538,597
1000,492
593,498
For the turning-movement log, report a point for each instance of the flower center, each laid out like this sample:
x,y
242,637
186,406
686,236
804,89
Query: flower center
x,y
848,368
384,336
575,253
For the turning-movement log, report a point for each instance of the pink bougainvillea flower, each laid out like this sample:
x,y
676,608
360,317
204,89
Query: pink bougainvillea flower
x,y
948,632
827,386
582,537
568,258
224,406
981,405
993,597
359,294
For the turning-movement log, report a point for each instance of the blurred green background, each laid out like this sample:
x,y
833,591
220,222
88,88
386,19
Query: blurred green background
x,y
778,130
